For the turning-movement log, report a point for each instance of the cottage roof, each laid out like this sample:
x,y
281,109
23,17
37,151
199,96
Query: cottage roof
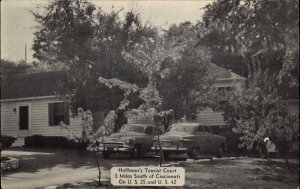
x,y
30,85
224,74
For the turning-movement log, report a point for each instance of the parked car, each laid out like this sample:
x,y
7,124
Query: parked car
x,y
135,139
232,139
191,138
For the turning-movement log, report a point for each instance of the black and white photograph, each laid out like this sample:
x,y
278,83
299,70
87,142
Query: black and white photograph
x,y
149,94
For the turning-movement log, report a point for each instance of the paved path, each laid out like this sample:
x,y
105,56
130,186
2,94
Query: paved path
x,y
41,168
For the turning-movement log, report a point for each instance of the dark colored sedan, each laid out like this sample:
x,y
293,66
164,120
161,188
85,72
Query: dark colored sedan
x,y
191,138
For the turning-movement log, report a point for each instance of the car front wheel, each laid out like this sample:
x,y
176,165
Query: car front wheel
x,y
106,155
136,152
221,151
194,153
166,155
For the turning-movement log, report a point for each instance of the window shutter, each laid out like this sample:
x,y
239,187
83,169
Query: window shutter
x,y
66,114
51,114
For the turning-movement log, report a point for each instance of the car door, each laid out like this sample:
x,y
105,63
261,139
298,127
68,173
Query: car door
x,y
210,140
201,139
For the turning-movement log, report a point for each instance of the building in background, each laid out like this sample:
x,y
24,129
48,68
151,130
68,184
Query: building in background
x,y
29,106
226,80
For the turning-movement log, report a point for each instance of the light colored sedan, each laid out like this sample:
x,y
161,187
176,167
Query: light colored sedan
x,y
134,139
191,138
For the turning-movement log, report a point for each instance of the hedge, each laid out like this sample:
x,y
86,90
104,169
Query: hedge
x,y
7,141
53,142
232,139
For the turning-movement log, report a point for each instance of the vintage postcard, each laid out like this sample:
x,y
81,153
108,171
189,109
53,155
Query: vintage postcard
x,y
149,94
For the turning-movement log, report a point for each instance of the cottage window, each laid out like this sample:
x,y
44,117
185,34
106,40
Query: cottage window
x,y
58,112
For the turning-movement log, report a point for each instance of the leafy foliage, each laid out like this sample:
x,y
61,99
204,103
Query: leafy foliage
x,y
87,42
251,37
13,68
166,60
129,100
53,142
7,141
92,139
188,77
165,117
257,111
88,135
147,56
263,45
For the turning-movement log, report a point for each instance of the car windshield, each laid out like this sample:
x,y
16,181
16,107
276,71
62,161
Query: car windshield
x,y
183,128
132,128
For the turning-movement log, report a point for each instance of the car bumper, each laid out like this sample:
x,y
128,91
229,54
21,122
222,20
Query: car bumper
x,y
116,148
170,148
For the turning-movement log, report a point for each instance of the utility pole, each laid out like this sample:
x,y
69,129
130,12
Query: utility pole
x,y
25,53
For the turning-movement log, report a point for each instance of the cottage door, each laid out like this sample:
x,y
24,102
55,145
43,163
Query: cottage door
x,y
24,121
23,118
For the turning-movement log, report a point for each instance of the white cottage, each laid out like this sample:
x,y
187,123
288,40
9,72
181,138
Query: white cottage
x,y
226,80
29,106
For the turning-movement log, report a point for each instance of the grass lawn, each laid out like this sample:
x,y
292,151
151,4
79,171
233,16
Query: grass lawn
x,y
233,173
242,173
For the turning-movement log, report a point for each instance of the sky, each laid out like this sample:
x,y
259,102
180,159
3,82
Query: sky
x,y
18,25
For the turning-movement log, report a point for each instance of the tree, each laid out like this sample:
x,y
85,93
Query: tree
x,y
128,90
166,60
86,43
251,38
257,111
148,57
193,61
165,118
12,68
265,43
91,138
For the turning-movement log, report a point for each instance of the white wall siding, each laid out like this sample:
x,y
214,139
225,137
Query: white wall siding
x,y
210,117
8,119
39,119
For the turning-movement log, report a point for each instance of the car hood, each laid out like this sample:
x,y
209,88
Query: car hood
x,y
120,137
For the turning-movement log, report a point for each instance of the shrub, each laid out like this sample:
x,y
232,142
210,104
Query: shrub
x,y
53,142
7,141
232,139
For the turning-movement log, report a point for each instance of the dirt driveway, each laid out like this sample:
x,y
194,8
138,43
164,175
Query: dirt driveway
x,y
42,168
